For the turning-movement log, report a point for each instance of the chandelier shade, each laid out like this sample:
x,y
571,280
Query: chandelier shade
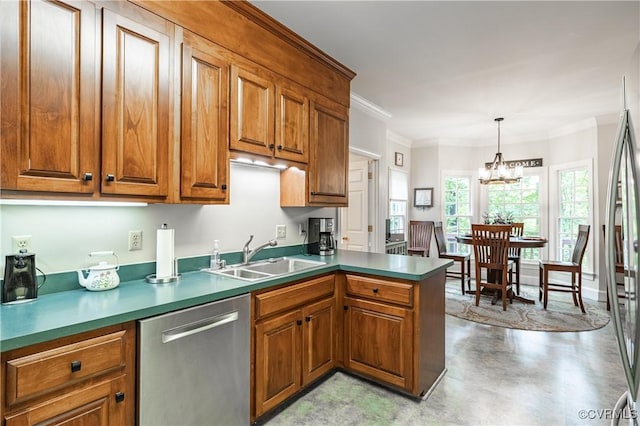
x,y
499,172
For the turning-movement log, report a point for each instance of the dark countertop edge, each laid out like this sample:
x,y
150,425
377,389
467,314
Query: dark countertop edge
x,y
76,328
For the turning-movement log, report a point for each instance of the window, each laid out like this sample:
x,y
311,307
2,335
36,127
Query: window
x,y
574,201
398,197
521,202
457,211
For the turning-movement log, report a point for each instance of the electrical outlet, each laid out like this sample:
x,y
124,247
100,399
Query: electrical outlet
x,y
281,231
21,242
135,240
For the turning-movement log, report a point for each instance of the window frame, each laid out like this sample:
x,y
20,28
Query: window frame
x,y
543,197
445,174
401,199
589,263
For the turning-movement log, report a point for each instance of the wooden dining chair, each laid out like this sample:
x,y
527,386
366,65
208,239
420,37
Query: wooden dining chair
x,y
491,252
574,267
464,259
517,230
619,258
419,237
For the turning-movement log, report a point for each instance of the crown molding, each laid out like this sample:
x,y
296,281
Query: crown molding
x,y
369,107
400,140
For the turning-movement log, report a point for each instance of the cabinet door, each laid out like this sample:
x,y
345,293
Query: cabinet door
x,y
329,162
278,360
292,123
48,96
135,108
370,330
205,130
252,114
318,340
102,404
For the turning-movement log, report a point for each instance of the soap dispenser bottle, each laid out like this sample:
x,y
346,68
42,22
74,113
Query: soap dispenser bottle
x,y
215,256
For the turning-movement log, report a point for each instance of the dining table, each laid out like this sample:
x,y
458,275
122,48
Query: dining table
x,y
522,242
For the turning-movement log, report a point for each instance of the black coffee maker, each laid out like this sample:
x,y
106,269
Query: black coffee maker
x,y
321,239
20,281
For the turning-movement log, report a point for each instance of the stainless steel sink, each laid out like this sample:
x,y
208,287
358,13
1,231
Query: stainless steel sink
x,y
264,269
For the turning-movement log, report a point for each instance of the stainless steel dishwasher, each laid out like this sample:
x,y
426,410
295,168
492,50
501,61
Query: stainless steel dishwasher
x,y
194,366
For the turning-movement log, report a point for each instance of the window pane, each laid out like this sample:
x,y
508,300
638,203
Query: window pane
x,y
457,210
521,202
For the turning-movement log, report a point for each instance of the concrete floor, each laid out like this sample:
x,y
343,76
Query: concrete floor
x,y
496,376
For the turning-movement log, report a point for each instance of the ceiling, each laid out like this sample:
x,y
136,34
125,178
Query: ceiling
x,y
445,69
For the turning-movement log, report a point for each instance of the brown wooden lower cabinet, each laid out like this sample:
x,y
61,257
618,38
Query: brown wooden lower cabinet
x,y
87,379
388,330
294,337
378,341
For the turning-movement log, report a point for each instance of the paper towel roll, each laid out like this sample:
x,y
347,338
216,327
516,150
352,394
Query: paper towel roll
x,y
164,253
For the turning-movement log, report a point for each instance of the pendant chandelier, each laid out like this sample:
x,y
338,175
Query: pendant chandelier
x,y
499,172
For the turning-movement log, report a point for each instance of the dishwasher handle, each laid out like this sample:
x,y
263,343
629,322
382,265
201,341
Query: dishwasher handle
x,y
198,326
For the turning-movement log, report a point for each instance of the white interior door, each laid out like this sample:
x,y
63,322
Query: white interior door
x,y
354,219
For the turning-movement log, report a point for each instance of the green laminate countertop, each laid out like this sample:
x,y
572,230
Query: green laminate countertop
x,y
66,313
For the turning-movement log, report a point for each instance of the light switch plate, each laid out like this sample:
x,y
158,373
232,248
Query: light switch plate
x,y
281,231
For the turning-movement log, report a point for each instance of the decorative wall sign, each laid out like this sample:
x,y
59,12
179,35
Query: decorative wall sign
x,y
423,197
529,162
399,159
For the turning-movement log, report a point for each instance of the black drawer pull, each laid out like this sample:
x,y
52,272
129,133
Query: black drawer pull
x,y
119,396
87,176
375,289
110,178
75,366
299,322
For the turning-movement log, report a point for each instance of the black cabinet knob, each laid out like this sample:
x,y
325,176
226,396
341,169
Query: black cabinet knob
x,y
75,366
307,319
271,146
299,322
87,176
280,147
119,396
224,186
375,289
110,178
346,308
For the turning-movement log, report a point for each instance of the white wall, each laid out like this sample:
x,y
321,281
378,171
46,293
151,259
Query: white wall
x,y
367,135
63,236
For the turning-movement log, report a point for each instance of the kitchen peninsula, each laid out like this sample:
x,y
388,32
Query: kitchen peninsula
x,y
395,302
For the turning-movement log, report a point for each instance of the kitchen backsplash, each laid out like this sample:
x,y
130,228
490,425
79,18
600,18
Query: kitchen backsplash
x,y
63,236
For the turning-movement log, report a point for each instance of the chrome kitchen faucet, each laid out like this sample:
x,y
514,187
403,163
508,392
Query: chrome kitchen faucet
x,y
248,253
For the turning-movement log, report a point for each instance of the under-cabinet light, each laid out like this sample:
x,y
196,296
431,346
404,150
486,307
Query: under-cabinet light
x,y
70,203
258,163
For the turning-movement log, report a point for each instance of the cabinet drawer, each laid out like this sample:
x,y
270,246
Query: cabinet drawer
x,y
381,290
294,295
32,375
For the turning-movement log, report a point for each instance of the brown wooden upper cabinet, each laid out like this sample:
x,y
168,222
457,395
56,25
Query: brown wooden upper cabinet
x,y
48,96
325,182
135,104
205,129
269,117
252,112
292,123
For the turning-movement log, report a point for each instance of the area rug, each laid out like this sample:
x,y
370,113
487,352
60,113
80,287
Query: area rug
x,y
561,313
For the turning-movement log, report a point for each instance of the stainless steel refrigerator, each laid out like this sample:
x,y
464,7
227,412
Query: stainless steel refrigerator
x,y
623,208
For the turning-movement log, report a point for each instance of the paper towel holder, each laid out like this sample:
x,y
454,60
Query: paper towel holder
x,y
153,279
